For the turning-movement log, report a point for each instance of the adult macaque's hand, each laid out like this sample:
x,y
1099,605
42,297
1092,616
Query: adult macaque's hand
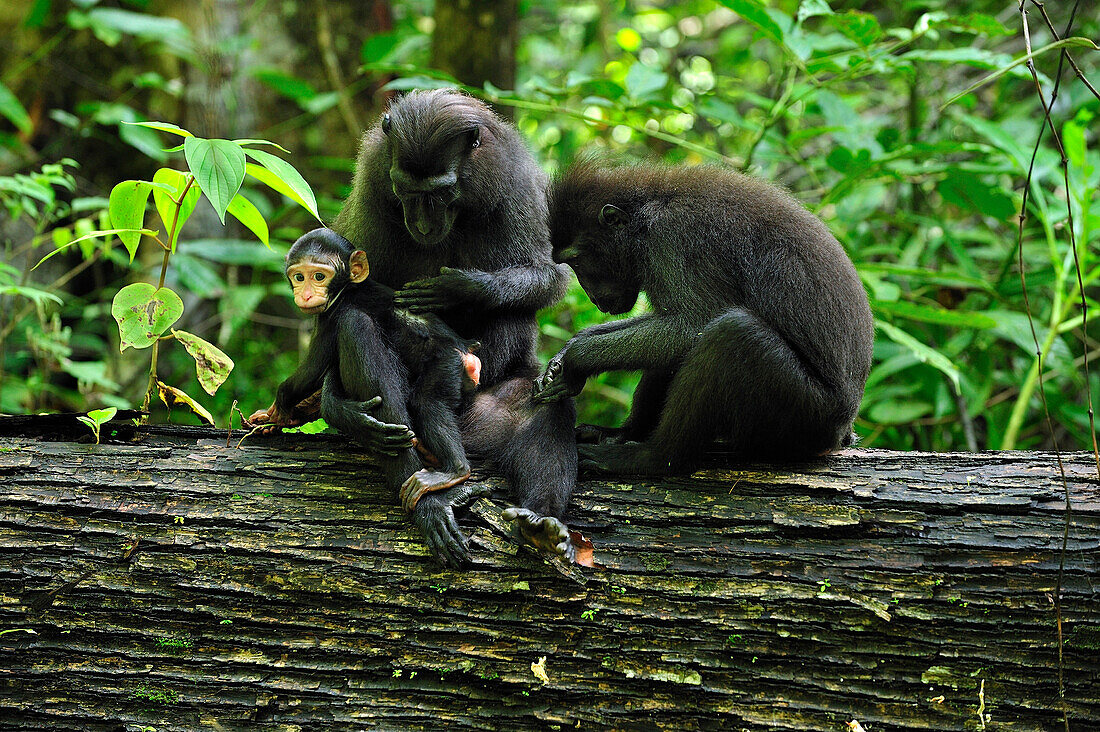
x,y
450,288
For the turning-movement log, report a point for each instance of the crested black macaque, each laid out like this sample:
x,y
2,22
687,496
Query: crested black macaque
x,y
760,333
409,369
450,208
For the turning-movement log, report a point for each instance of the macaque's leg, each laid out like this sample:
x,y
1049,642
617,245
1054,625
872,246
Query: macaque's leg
x,y
741,380
534,447
434,402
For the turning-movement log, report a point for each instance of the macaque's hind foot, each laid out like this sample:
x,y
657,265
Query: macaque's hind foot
x,y
629,458
545,533
426,481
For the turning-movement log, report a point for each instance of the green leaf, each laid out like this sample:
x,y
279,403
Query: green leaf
x,y
926,354
234,251
14,111
754,12
967,190
244,211
93,235
813,8
247,142
286,84
863,28
144,25
984,25
39,297
143,313
281,176
211,364
218,167
1074,42
894,411
379,46
309,428
198,276
643,81
171,396
127,211
100,416
170,186
163,127
940,316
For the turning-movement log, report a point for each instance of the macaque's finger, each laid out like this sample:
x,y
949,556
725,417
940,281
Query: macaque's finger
x,y
370,404
553,393
449,544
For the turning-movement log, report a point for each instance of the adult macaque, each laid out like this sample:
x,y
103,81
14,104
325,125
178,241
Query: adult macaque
x,y
410,370
450,208
760,333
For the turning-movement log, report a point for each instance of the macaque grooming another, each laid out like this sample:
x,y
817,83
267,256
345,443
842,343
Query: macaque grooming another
x,y
760,333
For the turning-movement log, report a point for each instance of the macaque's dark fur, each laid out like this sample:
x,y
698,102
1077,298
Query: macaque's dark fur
x,y
760,333
363,348
500,272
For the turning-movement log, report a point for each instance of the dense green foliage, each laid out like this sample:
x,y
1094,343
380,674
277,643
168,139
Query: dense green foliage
x,y
908,128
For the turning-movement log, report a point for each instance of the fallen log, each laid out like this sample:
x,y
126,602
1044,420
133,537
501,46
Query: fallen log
x,y
174,581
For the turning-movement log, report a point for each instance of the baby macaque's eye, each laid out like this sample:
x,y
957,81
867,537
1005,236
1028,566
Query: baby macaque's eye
x,y
319,276
299,277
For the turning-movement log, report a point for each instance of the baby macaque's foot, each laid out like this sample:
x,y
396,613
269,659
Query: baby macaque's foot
x,y
545,533
428,481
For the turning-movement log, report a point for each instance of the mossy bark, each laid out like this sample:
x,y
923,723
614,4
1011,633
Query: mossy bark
x,y
176,583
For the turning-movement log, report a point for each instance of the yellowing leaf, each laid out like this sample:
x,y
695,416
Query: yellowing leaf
x,y
171,396
211,365
539,670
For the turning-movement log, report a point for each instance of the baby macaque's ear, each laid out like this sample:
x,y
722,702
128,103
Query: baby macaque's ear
x,y
358,268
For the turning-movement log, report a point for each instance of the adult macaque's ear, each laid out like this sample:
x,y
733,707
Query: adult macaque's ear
x,y
358,267
611,215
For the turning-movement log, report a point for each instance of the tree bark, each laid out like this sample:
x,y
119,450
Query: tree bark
x,y
475,41
172,582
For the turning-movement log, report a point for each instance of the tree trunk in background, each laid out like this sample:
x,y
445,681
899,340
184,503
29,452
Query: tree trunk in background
x,y
476,41
177,583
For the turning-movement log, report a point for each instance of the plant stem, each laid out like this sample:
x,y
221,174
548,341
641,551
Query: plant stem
x,y
160,283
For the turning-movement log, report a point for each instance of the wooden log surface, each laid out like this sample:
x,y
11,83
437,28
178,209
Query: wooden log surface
x,y
166,581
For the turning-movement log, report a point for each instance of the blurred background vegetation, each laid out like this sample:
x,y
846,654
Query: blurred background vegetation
x,y
845,103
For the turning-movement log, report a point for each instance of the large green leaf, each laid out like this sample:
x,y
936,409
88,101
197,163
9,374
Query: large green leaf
x,y
643,80
174,181
144,313
211,364
218,167
941,316
92,235
754,12
244,211
926,354
281,176
127,211
14,111
863,28
969,191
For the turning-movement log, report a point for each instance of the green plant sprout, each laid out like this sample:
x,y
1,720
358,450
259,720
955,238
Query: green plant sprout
x,y
216,169
97,418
